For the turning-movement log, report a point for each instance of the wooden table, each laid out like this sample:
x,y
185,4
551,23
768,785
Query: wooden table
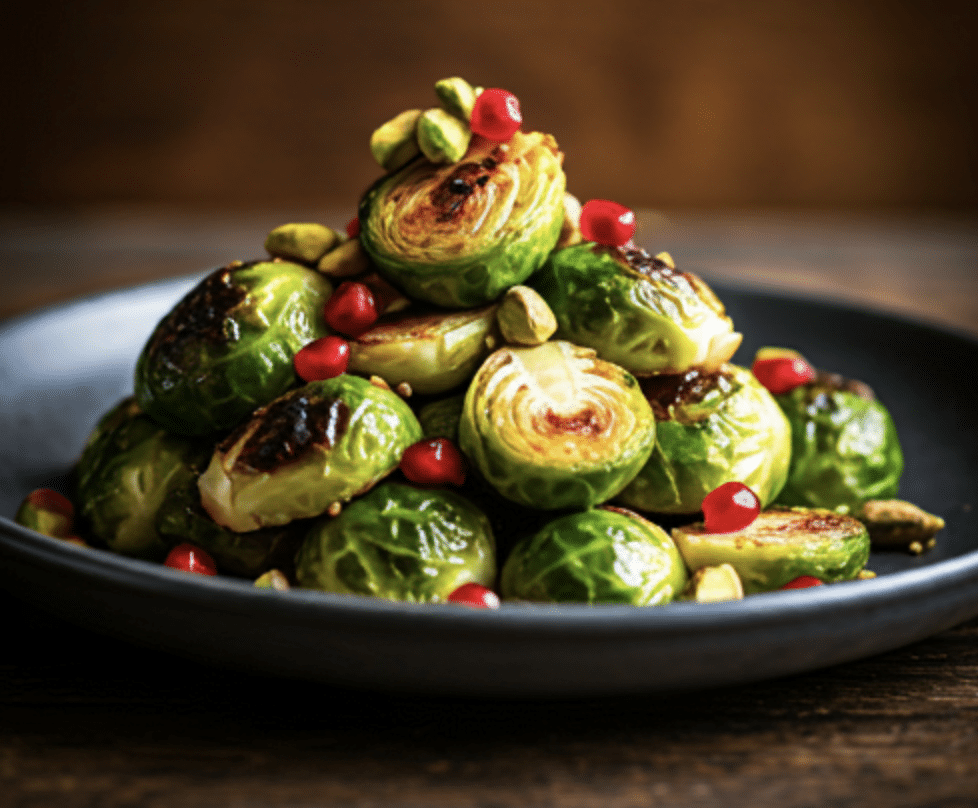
x,y
89,721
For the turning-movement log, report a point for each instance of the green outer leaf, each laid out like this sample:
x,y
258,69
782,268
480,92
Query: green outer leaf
x,y
597,556
208,385
128,469
402,543
506,412
507,231
646,326
379,428
741,435
844,450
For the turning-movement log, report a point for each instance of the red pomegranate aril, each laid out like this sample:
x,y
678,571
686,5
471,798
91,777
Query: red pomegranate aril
x,y
496,115
475,595
436,461
189,558
803,582
353,227
351,309
729,507
322,358
783,375
608,223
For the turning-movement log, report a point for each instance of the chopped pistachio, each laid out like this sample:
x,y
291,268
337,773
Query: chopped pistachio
x,y
442,137
303,242
273,579
524,317
457,97
715,584
395,143
570,230
895,523
349,258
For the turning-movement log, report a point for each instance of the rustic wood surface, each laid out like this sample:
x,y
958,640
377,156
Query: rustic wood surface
x,y
90,721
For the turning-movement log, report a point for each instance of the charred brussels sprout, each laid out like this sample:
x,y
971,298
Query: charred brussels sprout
x,y
401,543
844,446
604,555
321,443
432,353
710,428
635,310
780,545
553,426
182,518
227,347
129,467
459,235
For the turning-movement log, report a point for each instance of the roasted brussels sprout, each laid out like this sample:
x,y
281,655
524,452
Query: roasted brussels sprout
x,y
553,426
431,352
459,235
227,347
635,310
127,470
316,445
399,542
711,428
844,446
781,545
603,555
439,418
182,518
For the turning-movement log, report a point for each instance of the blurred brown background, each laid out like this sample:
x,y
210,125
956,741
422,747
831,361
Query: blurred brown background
x,y
270,103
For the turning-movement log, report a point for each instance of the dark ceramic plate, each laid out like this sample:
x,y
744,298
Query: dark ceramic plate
x,y
61,368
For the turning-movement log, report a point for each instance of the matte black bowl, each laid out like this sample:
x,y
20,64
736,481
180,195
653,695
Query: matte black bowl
x,y
61,368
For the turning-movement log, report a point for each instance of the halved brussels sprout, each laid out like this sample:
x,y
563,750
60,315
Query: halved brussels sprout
x,y
182,518
432,353
636,310
227,347
402,543
128,469
460,235
553,426
711,428
780,545
844,446
319,444
604,555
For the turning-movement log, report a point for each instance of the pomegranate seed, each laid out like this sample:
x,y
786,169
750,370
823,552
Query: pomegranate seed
x,y
322,358
433,462
353,227
729,507
607,223
783,375
803,582
351,309
475,595
496,115
189,558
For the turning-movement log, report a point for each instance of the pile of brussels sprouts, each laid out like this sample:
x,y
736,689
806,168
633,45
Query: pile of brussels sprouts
x,y
567,399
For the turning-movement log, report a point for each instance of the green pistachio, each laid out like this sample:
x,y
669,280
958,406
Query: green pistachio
x,y
457,97
344,261
442,137
524,317
715,585
394,144
896,523
303,242
47,512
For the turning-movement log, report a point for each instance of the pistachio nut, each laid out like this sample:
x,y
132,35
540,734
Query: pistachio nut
x,y
896,523
394,144
303,242
457,97
715,584
442,137
524,317
348,259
